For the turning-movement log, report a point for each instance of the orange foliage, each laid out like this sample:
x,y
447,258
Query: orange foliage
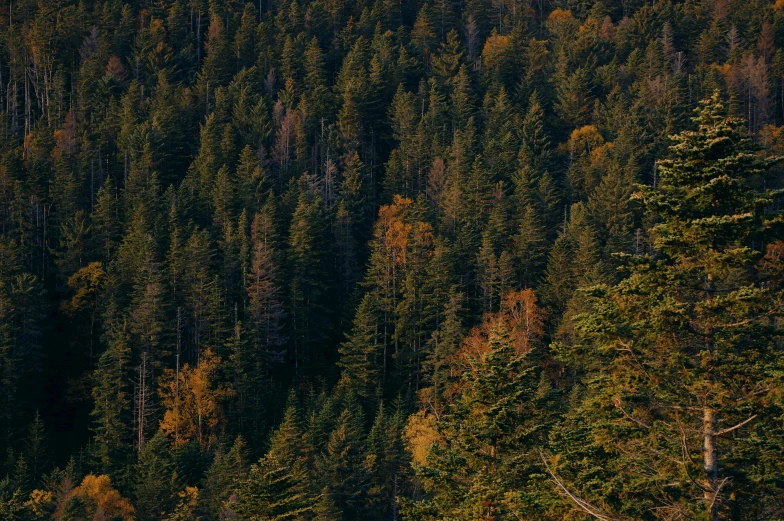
x,y
109,504
524,319
396,231
772,264
398,234
771,138
65,138
192,402
115,69
520,316
607,30
496,46
560,15
779,5
28,140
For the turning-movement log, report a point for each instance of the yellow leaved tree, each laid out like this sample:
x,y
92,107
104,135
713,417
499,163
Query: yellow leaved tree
x,y
94,499
192,401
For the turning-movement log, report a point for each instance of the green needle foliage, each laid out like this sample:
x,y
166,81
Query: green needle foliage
x,y
391,260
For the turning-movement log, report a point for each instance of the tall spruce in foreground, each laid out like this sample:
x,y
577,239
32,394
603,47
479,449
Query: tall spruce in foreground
x,y
682,361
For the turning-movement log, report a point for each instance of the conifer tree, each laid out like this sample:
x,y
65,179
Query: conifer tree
x,y
154,479
269,494
360,353
309,289
112,400
264,298
683,351
341,466
477,463
228,469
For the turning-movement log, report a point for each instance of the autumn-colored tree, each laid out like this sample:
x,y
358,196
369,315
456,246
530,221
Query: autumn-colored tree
x,y
192,400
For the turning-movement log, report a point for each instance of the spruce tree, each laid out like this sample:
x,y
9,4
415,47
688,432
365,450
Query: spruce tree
x,y
680,359
112,400
309,287
481,460
360,353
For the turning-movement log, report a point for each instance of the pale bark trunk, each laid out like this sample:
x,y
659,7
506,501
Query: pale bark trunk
x,y
711,461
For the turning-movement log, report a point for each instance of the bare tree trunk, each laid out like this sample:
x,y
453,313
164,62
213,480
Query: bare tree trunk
x,y
711,461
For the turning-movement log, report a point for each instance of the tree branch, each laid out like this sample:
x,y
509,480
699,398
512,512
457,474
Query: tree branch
x,y
582,504
738,426
629,416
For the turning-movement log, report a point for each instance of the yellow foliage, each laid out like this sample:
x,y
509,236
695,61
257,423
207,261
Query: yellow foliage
x,y
40,501
192,402
585,140
726,69
86,282
495,48
590,26
108,502
560,15
420,434
779,5
186,506
600,153
770,137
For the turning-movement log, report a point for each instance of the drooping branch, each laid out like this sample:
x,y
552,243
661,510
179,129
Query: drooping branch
x,y
582,504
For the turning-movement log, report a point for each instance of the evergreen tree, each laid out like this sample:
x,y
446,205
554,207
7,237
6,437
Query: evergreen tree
x,y
309,289
112,401
482,461
228,470
683,351
341,466
359,354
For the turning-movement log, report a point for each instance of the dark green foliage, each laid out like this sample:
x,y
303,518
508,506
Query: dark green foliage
x,y
208,206
685,349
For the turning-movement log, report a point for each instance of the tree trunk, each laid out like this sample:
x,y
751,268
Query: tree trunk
x,y
711,461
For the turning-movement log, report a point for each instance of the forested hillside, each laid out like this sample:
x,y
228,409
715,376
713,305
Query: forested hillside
x,y
344,260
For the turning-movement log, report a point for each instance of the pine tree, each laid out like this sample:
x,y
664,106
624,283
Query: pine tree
x,y
277,487
530,247
341,467
534,144
448,61
228,469
265,306
574,98
154,478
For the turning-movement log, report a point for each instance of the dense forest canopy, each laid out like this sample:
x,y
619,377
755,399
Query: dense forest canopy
x,y
391,260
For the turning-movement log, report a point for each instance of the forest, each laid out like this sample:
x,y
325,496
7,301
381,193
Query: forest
x,y
415,260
